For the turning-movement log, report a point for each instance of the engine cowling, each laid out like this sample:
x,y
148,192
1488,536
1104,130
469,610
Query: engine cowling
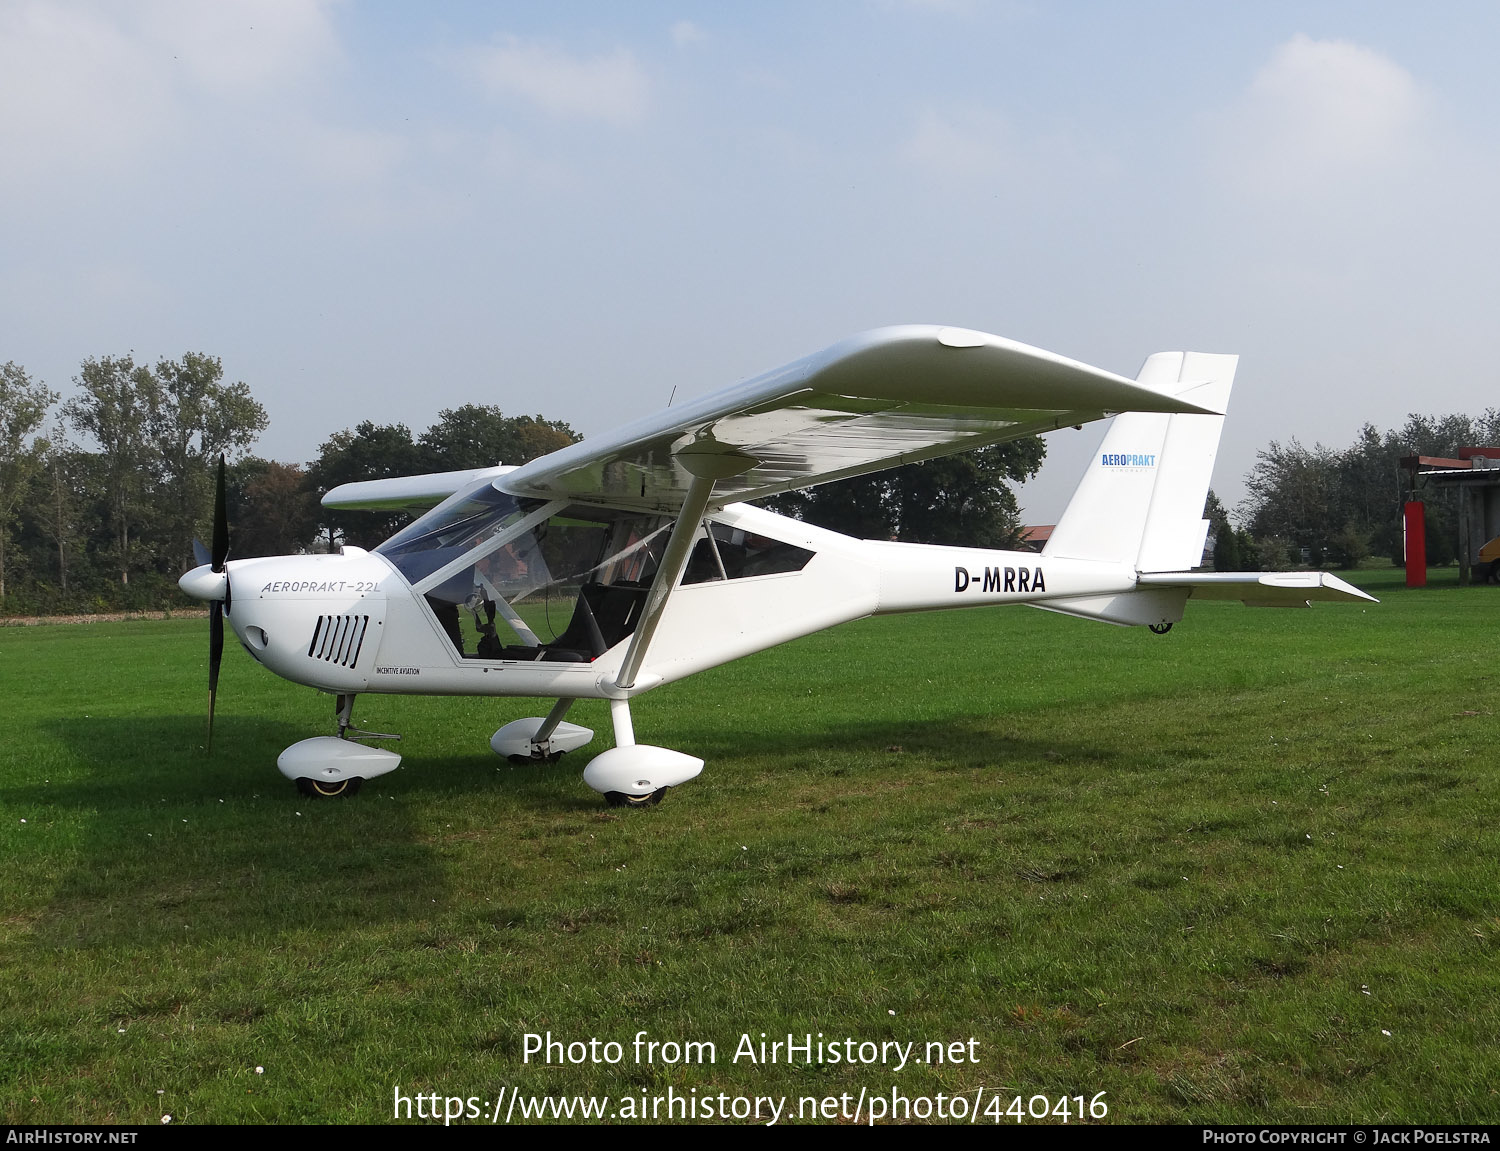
x,y
315,619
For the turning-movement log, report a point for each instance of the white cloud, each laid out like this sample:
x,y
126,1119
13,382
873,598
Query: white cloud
x,y
970,144
94,86
350,155
1320,115
962,7
75,89
241,47
611,87
979,150
685,32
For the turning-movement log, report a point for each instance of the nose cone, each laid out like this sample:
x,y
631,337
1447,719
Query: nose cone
x,y
204,583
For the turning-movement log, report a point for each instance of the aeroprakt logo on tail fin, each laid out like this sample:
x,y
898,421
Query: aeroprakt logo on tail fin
x,y
1127,460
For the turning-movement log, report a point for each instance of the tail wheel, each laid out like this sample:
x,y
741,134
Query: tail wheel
x,y
329,789
1160,628
620,799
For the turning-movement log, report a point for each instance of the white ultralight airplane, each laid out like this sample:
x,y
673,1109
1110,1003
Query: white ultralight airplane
x,y
622,563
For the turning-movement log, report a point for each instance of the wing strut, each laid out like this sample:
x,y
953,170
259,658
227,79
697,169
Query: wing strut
x,y
706,461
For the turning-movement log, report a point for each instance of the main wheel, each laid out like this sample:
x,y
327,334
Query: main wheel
x,y
318,789
620,799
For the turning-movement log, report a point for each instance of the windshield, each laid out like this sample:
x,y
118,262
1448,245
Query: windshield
x,y
512,578
451,528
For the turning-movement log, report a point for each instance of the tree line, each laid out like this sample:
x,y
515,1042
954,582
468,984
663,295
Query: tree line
x,y
1322,506
100,505
101,497
964,499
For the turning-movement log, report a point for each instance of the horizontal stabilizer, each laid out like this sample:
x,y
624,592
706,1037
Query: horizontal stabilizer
x,y
1259,589
405,493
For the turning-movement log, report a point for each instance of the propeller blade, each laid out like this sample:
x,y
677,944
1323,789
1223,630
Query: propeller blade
x,y
201,555
215,658
217,560
221,523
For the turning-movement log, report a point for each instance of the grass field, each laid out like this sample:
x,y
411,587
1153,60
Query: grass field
x,y
1245,872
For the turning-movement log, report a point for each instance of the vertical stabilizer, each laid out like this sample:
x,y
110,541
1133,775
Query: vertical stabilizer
x,y
1141,499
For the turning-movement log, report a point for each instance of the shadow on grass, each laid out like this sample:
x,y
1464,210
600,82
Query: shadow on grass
x,y
172,843
951,744
178,844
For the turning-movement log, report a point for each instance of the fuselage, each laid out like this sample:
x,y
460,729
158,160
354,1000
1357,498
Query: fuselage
x,y
368,622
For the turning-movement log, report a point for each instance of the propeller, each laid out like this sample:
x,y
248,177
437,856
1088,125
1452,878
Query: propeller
x,y
217,559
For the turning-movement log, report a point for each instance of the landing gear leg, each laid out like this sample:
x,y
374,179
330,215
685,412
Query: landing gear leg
x,y
619,714
632,774
344,709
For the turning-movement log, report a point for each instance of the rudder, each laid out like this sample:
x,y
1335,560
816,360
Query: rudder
x,y
1141,500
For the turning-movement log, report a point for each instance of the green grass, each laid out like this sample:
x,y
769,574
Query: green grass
x,y
1204,873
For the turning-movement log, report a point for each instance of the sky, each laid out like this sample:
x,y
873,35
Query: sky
x,y
379,210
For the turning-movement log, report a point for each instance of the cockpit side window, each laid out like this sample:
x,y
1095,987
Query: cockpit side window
x,y
727,552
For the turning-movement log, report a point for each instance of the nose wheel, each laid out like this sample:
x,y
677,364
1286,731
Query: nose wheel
x,y
620,799
334,766
329,789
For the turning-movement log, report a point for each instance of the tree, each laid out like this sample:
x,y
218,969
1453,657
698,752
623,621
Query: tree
x,y
273,511
962,499
1226,543
481,436
1345,506
471,436
114,407
369,452
55,501
23,407
1370,489
1294,496
857,507
1349,546
160,433
193,418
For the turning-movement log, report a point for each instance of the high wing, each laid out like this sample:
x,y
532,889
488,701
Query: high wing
x,y
890,396
405,493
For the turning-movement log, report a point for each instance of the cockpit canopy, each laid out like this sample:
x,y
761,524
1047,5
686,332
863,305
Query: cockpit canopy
x,y
567,581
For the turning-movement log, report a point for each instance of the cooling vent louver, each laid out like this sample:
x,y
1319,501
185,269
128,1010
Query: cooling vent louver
x,y
338,639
